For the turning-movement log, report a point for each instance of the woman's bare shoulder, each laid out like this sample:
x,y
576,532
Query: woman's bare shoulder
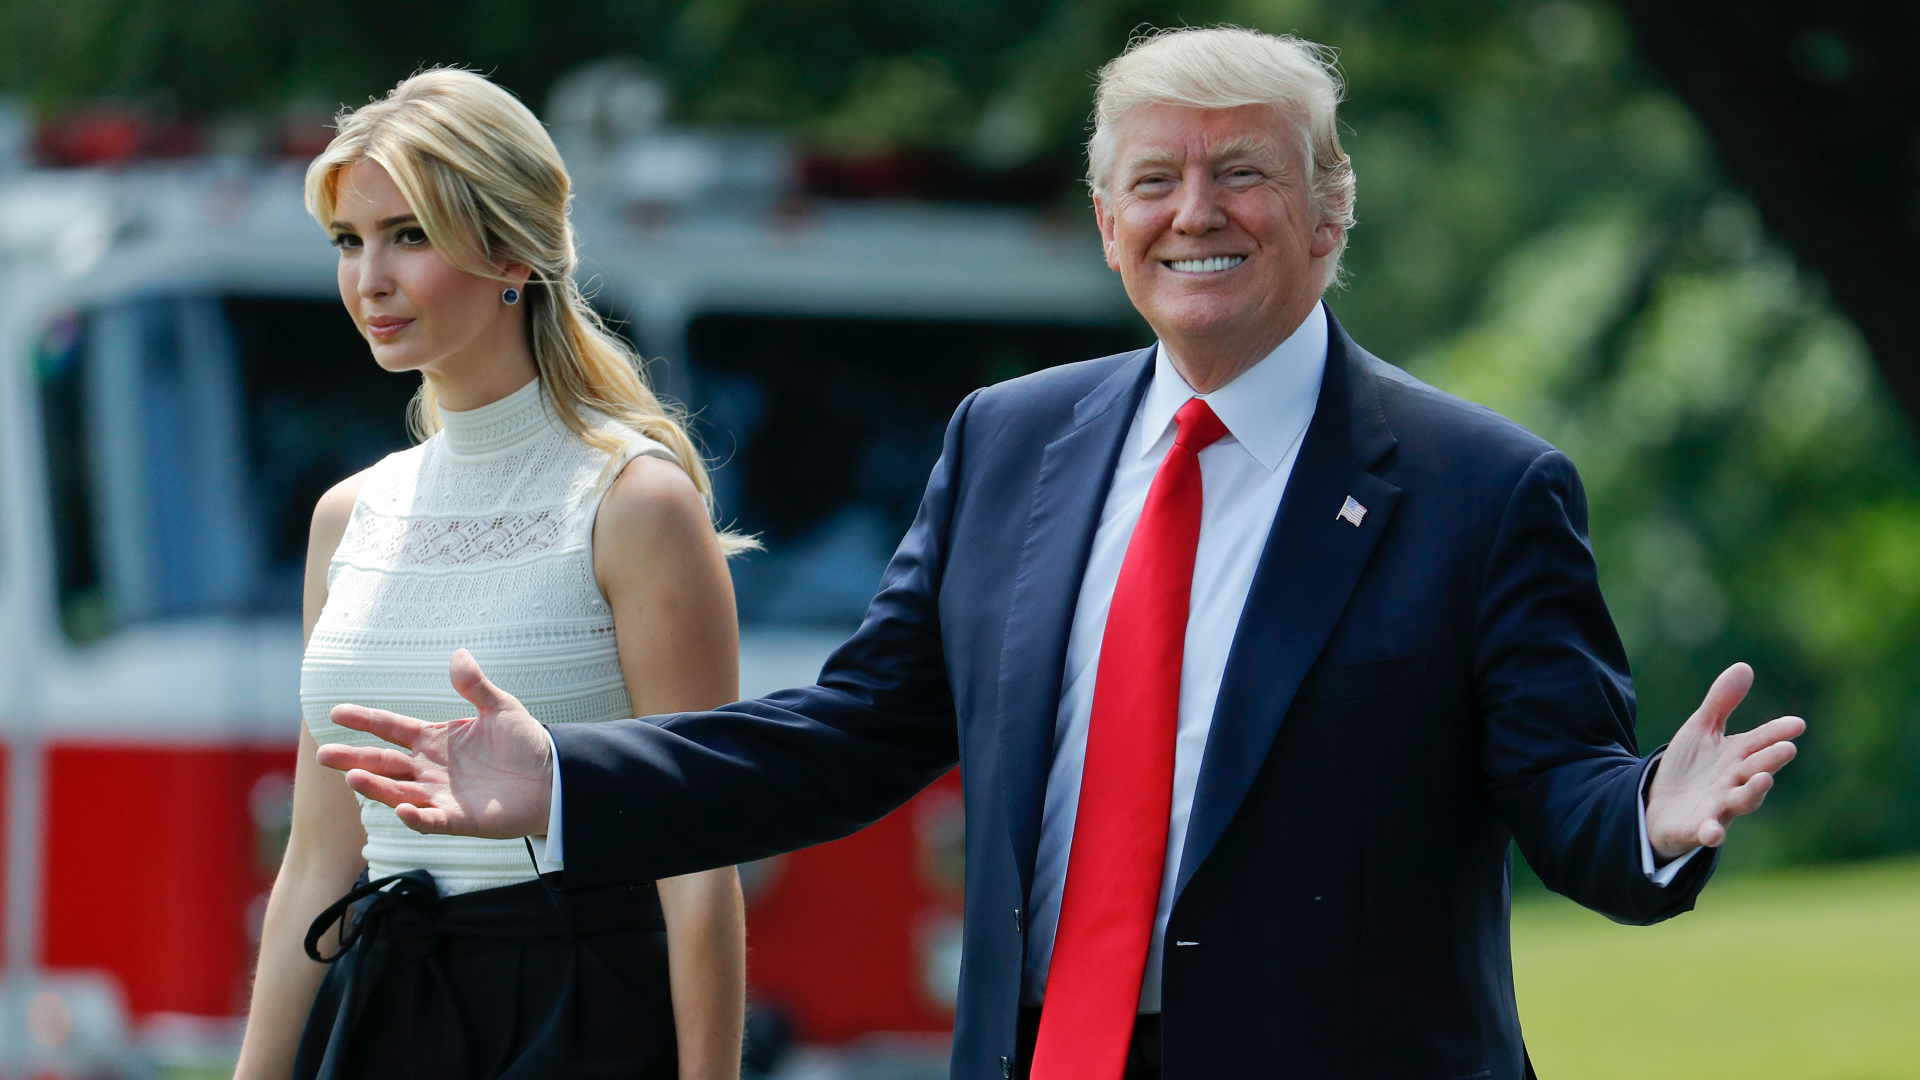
x,y
330,514
652,516
652,500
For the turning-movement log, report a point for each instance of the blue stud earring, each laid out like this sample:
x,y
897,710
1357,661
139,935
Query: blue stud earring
x,y
511,296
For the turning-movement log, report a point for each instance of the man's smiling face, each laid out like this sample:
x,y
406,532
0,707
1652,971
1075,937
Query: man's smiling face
x,y
1208,221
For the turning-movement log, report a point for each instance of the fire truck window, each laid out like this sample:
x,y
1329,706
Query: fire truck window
x,y
186,440
825,429
57,363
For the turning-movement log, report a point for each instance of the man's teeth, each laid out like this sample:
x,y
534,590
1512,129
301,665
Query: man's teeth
x,y
1207,266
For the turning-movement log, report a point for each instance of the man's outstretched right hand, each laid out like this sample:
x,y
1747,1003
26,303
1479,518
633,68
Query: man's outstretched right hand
x,y
488,775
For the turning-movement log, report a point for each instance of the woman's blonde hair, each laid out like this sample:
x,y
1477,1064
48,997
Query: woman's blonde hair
x,y
489,188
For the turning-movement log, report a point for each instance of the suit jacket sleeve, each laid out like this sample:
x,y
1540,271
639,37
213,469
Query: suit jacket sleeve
x,y
662,796
1559,751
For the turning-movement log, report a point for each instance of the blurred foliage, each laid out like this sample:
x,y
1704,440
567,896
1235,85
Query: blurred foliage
x,y
1542,229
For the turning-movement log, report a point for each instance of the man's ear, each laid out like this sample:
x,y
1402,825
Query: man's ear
x,y
1326,238
1104,218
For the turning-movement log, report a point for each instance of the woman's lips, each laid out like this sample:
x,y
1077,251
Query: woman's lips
x,y
385,327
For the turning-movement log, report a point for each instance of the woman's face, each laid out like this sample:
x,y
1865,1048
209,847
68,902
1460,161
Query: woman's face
x,y
417,311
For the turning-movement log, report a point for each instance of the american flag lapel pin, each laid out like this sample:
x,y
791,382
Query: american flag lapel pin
x,y
1351,513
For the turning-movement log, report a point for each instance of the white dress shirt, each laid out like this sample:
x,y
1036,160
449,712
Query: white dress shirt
x,y
1266,411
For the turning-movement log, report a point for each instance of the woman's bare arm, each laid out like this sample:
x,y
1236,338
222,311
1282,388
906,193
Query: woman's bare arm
x,y
659,562
707,966
323,852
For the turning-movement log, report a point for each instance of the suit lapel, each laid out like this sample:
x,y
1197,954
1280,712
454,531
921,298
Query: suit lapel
x,y
1069,492
1311,563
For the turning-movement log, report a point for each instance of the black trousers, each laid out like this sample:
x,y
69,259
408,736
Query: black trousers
x,y
509,983
1143,1054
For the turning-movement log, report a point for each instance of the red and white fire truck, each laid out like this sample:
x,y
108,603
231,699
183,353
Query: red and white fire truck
x,y
178,382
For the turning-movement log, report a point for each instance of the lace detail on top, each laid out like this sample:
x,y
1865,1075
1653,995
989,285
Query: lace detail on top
x,y
479,538
454,541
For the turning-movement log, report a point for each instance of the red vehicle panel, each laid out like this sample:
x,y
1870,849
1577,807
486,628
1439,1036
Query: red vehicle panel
x,y
844,935
153,858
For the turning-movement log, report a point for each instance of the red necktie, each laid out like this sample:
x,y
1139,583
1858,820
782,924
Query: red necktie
x,y
1126,786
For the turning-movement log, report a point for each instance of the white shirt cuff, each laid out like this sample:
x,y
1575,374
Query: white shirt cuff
x,y
1662,877
549,851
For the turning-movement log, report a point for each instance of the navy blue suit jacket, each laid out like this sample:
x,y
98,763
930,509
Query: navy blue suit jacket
x,y
1402,698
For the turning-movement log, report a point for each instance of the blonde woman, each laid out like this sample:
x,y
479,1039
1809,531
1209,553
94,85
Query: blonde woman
x,y
556,518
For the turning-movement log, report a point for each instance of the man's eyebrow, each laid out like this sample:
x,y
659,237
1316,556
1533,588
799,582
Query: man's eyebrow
x,y
1240,146
1149,158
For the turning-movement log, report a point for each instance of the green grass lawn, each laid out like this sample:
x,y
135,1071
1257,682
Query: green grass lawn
x,y
1808,975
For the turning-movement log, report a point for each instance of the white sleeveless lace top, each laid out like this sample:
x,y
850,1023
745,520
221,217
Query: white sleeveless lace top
x,y
479,538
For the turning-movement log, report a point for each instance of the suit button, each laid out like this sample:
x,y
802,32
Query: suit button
x,y
1006,1067
1019,924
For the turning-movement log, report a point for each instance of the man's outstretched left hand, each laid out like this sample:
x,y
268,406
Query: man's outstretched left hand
x,y
1709,777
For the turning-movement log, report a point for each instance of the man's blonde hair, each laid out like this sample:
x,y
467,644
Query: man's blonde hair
x,y
1223,68
482,175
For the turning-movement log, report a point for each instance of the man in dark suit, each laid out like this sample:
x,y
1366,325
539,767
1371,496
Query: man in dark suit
x,y
1255,653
